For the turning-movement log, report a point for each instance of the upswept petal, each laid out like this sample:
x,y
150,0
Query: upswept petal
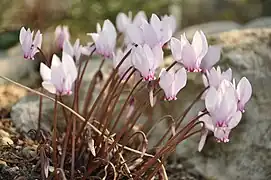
x,y
211,58
202,139
94,36
49,87
211,100
213,77
149,55
234,121
176,49
38,39
45,72
139,18
155,22
122,21
158,56
23,34
55,61
139,60
227,75
200,45
189,59
67,47
58,78
171,20
180,80
244,91
135,34
149,35
69,66
166,80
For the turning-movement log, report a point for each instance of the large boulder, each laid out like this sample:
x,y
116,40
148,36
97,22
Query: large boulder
x,y
247,155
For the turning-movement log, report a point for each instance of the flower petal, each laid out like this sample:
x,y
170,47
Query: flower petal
x,y
202,139
55,61
45,72
134,34
211,58
180,80
244,90
211,99
234,121
200,45
165,82
208,121
49,87
176,49
189,57
69,66
67,47
122,21
22,35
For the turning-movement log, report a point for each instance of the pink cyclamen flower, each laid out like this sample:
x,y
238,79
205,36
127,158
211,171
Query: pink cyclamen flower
x,y
223,114
190,55
30,46
147,60
172,82
127,63
74,51
244,92
61,34
122,21
214,77
105,39
157,32
59,79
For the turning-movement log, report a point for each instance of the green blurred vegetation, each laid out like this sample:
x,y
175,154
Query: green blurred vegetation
x,y
82,15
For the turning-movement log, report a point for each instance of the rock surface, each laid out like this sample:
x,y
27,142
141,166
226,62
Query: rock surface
x,y
247,155
24,114
15,67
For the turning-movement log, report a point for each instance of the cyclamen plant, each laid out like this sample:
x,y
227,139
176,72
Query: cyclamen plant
x,y
101,146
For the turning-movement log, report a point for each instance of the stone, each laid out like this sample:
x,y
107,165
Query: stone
x,y
4,141
24,114
262,22
9,95
247,155
15,67
210,28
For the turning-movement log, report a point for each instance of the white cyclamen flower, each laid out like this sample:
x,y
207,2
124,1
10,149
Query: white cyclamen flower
x,y
30,47
60,77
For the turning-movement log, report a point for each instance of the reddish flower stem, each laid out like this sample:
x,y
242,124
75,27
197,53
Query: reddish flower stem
x,y
101,93
55,136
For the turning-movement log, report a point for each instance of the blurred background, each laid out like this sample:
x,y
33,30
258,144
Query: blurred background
x,y
82,15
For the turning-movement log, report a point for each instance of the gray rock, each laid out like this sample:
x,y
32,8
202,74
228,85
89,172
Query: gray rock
x,y
210,28
24,114
262,22
15,67
247,155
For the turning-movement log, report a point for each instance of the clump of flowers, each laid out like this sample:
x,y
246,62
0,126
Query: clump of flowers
x,y
99,139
